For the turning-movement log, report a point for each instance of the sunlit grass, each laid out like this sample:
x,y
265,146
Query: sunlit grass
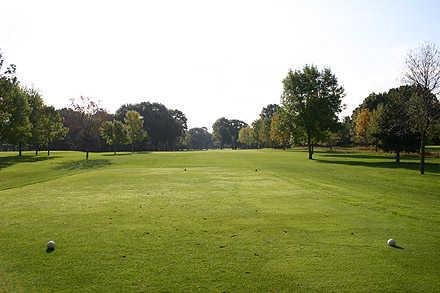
x,y
219,221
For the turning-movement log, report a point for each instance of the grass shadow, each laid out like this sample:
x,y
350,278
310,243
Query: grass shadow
x,y
429,167
367,156
84,164
12,160
125,154
397,247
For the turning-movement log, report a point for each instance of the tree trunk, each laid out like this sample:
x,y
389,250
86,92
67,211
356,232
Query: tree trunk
x,y
19,149
310,147
422,154
397,157
87,155
48,150
36,152
376,147
132,147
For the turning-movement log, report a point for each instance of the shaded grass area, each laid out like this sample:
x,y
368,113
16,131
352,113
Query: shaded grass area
x,y
215,221
6,161
409,162
84,164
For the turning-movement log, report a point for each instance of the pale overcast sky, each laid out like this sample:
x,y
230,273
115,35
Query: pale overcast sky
x,y
208,58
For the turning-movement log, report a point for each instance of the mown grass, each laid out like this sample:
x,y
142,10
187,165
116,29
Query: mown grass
x,y
232,221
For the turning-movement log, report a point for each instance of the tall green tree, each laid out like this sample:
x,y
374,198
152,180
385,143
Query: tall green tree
x,y
258,128
18,126
373,127
134,125
234,129
114,133
8,84
312,100
394,126
53,127
266,116
246,136
222,132
36,118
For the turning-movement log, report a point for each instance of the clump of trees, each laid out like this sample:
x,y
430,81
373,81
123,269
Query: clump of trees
x,y
404,119
198,139
226,132
24,118
166,128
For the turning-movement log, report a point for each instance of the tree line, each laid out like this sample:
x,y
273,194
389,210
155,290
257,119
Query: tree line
x,y
402,119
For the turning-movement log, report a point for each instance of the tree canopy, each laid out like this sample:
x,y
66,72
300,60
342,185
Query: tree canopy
x,y
312,100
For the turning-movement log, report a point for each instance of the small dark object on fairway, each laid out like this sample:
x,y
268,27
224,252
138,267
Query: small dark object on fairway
x,y
352,233
235,235
123,256
184,169
256,170
256,254
285,231
222,246
204,218
247,272
50,246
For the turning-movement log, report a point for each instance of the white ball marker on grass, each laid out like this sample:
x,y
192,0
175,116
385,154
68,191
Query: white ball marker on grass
x,y
391,242
51,245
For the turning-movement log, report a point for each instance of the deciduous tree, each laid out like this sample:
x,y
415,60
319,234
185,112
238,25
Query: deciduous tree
x,y
90,118
361,126
114,133
279,131
246,136
198,138
423,72
312,100
53,127
36,117
134,123
394,128
18,127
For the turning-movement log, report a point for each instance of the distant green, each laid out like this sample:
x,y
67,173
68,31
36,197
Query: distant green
x,y
215,221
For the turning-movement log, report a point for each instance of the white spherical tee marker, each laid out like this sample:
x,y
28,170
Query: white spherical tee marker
x,y
51,245
391,242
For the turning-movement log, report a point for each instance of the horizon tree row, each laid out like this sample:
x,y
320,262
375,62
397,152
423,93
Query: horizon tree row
x,y
403,119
